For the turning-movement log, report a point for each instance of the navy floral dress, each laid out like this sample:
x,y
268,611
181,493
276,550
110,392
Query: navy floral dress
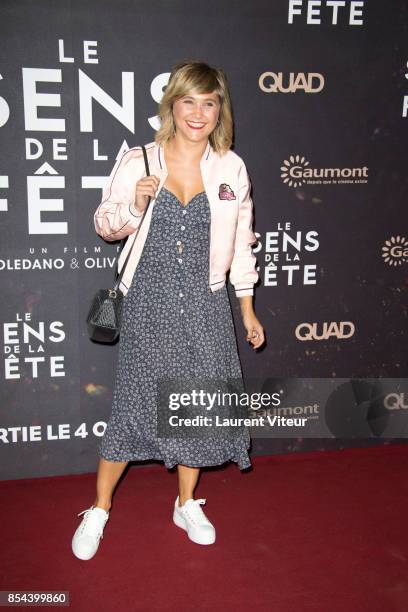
x,y
172,326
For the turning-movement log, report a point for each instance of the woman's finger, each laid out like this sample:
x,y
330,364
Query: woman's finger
x,y
152,179
255,337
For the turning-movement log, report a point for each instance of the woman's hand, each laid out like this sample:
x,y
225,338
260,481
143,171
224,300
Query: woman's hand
x,y
145,187
255,330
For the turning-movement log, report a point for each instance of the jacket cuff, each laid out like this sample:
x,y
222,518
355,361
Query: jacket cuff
x,y
134,211
246,290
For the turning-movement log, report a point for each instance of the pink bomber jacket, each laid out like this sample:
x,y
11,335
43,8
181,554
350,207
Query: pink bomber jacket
x,y
227,186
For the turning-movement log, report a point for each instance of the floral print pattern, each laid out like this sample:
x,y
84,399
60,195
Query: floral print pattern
x,y
173,326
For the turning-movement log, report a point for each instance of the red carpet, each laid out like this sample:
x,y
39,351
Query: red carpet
x,y
315,531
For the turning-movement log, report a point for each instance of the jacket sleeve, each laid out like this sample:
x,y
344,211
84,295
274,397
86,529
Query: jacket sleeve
x,y
243,273
115,218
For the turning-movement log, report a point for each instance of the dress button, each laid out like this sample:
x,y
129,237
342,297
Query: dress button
x,y
183,227
181,311
179,260
181,294
184,212
178,242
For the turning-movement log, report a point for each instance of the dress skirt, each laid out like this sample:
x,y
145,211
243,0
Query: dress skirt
x,y
173,326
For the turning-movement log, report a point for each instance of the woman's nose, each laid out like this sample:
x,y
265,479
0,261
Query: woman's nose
x,y
198,109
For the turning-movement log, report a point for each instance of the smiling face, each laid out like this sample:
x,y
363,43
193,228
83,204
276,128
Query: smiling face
x,y
195,116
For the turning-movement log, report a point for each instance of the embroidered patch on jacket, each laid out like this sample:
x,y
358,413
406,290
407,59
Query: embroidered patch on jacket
x,y
225,192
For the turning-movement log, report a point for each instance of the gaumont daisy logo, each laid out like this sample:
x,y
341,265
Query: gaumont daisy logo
x,y
395,251
291,171
297,171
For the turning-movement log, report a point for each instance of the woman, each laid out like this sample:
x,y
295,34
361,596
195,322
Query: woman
x,y
177,318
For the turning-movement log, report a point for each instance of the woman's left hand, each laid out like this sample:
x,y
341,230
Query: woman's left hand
x,y
255,330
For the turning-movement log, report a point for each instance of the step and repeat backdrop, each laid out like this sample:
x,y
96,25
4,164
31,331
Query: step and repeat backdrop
x,y
320,99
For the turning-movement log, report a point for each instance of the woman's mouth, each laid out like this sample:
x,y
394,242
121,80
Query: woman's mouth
x,y
195,125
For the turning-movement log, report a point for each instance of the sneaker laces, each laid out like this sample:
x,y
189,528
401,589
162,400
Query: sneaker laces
x,y
92,522
194,512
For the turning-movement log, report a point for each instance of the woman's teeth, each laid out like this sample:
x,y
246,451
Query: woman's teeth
x,y
195,125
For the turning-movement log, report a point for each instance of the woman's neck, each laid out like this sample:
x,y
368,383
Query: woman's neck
x,y
177,148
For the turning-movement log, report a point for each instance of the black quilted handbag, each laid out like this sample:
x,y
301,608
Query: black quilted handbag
x,y
105,314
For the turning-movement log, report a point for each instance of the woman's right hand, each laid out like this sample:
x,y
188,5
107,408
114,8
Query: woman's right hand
x,y
145,187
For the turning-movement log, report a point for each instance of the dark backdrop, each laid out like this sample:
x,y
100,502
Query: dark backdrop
x,y
346,123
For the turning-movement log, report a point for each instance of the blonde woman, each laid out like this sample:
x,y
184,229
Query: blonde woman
x,y
177,318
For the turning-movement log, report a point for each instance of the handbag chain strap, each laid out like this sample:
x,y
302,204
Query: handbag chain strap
x,y
119,277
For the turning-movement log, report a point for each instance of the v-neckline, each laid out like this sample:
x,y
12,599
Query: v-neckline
x,y
178,199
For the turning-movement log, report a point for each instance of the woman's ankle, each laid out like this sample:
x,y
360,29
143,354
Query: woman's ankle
x,y
104,505
182,500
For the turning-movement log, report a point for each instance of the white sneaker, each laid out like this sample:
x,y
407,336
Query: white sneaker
x,y
86,538
191,518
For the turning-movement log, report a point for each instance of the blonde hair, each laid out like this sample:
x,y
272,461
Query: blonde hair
x,y
195,77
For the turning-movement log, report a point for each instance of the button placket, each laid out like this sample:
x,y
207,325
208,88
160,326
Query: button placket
x,y
180,248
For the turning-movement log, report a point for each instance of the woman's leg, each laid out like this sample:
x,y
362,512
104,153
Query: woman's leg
x,y
187,479
109,473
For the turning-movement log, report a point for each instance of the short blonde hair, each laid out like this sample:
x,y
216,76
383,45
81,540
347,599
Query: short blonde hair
x,y
195,77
